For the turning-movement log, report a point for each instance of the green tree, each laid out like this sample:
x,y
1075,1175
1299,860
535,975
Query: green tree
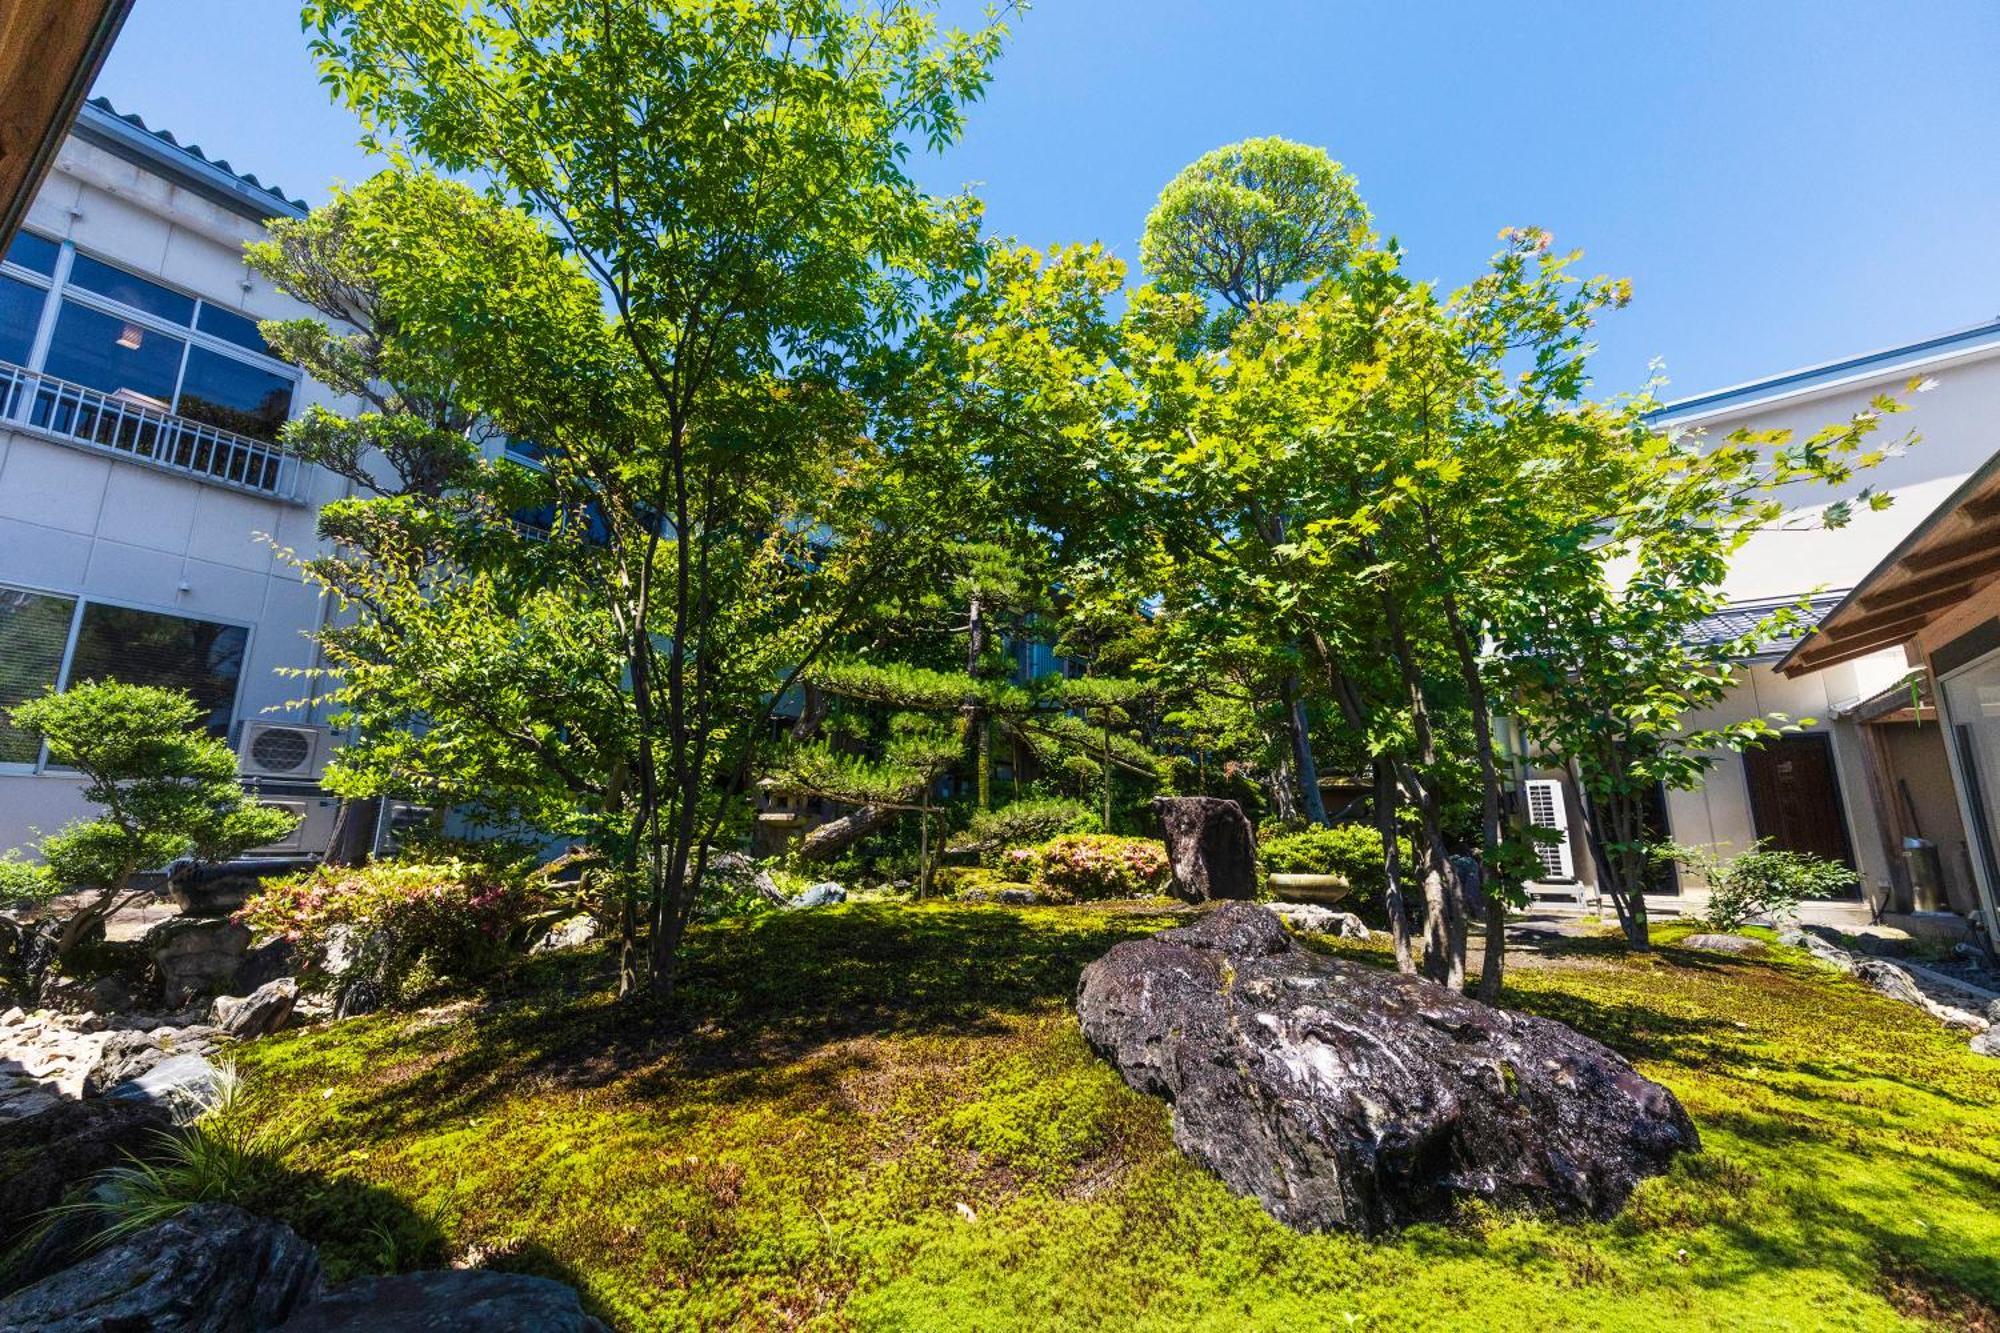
x,y
166,789
734,180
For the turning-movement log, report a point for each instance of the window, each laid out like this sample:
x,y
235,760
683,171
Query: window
x,y
147,648
20,314
234,395
94,275
117,335
115,356
34,629
35,253
231,327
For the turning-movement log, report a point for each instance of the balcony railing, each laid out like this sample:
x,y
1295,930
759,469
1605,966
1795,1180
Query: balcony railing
x,y
72,413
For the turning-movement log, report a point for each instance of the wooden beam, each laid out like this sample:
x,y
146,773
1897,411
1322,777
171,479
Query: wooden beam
x,y
1841,649
1952,576
1902,610
1960,548
1982,508
50,51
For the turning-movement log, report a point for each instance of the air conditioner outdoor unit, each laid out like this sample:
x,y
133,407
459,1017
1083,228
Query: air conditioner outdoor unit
x,y
290,751
1545,810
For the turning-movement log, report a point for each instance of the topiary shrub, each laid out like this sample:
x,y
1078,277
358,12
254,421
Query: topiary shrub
x,y
1024,824
1094,865
1352,851
400,927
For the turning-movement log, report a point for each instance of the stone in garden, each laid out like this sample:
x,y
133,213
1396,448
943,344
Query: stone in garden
x,y
196,956
466,1300
183,1084
1343,1096
823,894
1313,919
211,1269
1736,944
257,1014
740,871
218,890
125,1054
1210,845
266,962
66,1143
1019,897
573,933
1987,1042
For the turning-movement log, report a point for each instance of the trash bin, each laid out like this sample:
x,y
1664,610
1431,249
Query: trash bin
x,y
1926,874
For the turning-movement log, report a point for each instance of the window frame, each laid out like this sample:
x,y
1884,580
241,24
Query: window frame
x,y
57,288
81,601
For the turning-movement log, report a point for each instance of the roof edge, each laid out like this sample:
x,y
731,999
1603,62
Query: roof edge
x,y
1827,374
101,124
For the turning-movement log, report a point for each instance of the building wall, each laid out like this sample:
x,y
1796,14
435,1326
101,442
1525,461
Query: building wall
x,y
1958,422
77,521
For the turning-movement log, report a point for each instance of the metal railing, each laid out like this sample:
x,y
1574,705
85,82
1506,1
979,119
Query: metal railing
x,y
70,412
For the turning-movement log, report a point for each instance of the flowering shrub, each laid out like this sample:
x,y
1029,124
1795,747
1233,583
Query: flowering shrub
x,y
401,927
1094,865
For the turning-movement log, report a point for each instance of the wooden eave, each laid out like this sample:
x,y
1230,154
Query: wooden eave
x,y
50,51
1952,554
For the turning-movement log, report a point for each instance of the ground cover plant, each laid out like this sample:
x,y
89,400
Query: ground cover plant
x,y
882,1116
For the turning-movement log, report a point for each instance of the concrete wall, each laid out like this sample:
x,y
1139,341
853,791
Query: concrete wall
x,y
75,521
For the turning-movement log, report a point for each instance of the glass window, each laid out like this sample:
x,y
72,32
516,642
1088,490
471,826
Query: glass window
x,y
115,356
34,627
108,280
20,312
147,648
34,252
231,327
225,392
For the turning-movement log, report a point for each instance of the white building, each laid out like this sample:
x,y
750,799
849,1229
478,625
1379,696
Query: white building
x,y
1820,790
140,493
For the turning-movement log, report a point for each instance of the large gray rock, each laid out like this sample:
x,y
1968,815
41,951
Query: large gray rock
x,y
211,1269
571,933
823,894
1344,1096
65,1144
184,1084
1715,943
1211,846
125,1054
197,956
741,873
1312,919
459,1300
257,1014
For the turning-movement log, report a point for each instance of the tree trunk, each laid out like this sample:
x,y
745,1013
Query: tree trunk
x,y
837,835
1311,803
353,836
1392,863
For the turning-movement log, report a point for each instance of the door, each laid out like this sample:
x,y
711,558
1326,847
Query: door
x,y
1795,796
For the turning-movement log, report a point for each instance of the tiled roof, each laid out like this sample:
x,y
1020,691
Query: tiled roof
x,y
280,201
1733,622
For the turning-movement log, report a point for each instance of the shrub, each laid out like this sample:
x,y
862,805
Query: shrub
x,y
403,926
1024,824
1095,865
1762,882
1352,851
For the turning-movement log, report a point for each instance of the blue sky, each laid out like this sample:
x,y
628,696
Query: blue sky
x,y
1785,181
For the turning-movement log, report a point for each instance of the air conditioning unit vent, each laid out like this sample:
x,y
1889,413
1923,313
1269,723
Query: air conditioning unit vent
x,y
1545,811
286,750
